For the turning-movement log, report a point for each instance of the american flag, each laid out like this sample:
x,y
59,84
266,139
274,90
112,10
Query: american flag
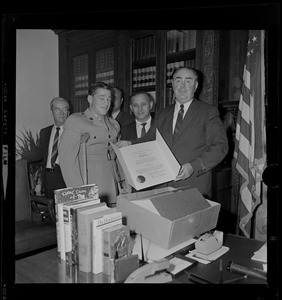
x,y
250,142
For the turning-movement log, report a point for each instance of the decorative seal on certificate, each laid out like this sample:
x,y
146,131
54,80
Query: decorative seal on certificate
x,y
141,179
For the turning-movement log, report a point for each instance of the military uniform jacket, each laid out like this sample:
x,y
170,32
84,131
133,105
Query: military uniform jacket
x,y
99,153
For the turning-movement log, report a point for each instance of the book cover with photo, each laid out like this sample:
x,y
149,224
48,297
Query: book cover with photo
x,y
98,224
116,245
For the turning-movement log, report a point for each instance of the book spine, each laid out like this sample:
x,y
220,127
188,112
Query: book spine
x,y
74,237
67,234
83,248
74,230
58,231
97,226
180,41
61,230
186,40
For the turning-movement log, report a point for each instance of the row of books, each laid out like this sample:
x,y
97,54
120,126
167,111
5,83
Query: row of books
x,y
81,84
144,48
106,77
174,65
180,40
144,77
90,235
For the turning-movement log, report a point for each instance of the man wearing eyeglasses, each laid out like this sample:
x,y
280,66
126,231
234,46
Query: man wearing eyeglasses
x,y
193,131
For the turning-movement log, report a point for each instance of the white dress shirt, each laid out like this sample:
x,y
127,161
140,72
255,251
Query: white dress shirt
x,y
139,126
53,132
176,109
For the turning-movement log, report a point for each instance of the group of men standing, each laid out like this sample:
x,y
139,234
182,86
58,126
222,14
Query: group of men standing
x,y
192,130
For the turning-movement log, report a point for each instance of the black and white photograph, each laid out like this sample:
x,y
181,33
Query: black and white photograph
x,y
82,89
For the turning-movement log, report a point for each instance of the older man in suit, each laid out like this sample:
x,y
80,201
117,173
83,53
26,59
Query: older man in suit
x,y
49,138
193,131
141,105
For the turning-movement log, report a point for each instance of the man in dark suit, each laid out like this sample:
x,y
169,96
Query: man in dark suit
x,y
140,105
198,140
116,111
52,175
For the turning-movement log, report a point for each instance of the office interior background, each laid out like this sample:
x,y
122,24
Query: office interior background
x,y
62,63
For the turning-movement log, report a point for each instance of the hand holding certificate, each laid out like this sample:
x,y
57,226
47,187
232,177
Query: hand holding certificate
x,y
148,164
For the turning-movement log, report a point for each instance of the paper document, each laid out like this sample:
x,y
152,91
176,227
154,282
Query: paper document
x,y
148,164
261,254
176,265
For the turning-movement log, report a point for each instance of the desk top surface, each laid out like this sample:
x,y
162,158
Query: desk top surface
x,y
46,267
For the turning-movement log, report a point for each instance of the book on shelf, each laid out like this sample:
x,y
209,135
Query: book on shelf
x,y
89,191
98,224
116,245
70,223
84,228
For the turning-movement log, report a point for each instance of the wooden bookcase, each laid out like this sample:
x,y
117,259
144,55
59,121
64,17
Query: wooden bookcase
x,y
154,56
144,60
130,59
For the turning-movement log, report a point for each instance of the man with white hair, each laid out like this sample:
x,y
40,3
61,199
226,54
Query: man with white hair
x,y
48,148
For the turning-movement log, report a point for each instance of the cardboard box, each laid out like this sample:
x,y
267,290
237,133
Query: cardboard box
x,y
168,216
148,164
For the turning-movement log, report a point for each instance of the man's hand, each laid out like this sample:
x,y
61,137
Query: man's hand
x,y
122,143
185,172
84,138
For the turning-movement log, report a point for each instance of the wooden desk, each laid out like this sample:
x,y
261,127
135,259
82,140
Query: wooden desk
x,y
46,267
241,250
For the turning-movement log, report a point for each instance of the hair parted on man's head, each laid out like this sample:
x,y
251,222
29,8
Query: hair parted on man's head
x,y
58,99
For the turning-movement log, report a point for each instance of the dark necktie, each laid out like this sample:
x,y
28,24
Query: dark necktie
x,y
55,148
178,121
143,131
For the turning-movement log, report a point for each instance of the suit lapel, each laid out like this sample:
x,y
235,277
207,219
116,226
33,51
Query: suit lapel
x,y
45,141
167,126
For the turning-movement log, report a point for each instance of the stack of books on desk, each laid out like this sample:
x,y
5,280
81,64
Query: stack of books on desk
x,y
81,220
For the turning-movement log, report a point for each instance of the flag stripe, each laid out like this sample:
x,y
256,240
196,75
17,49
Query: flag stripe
x,y
249,149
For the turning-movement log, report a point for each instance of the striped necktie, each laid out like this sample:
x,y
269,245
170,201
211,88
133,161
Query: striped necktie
x,y
143,131
55,148
178,121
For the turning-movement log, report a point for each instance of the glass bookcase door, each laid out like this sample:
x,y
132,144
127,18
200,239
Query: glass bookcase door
x,y
180,51
144,65
80,82
104,66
